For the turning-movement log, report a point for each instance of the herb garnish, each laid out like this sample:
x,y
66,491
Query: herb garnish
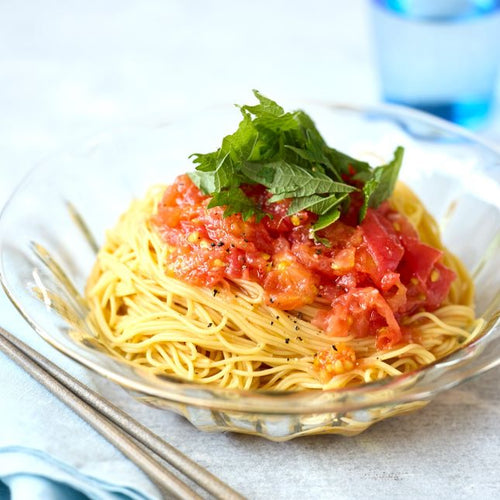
x,y
285,152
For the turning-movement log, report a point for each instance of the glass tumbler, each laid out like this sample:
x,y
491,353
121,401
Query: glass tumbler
x,y
440,56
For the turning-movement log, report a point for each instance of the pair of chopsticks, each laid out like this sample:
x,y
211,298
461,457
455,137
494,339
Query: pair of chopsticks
x,y
133,439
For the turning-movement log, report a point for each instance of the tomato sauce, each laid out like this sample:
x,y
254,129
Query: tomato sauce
x,y
370,275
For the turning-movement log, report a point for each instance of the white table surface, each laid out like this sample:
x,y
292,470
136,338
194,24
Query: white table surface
x,y
70,69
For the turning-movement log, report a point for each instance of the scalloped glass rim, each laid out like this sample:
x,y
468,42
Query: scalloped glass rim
x,y
423,384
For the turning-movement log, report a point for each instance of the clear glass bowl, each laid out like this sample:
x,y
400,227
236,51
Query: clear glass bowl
x,y
54,221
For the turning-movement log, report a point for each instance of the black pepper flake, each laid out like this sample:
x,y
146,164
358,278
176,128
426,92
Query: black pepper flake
x,y
209,325
277,317
271,300
287,340
288,359
212,244
272,323
228,250
297,327
300,338
215,292
220,244
334,348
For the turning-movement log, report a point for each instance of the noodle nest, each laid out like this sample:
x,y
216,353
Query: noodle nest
x,y
228,336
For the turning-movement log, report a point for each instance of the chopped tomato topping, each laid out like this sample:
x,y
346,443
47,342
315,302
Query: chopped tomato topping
x,y
371,274
290,284
381,241
336,360
361,312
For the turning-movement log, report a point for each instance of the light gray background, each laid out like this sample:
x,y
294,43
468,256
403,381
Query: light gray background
x,y
70,69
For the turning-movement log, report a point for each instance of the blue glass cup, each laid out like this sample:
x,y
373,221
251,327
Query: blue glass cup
x,y
440,56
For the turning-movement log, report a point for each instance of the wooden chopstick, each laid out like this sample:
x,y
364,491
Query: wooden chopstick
x,y
116,426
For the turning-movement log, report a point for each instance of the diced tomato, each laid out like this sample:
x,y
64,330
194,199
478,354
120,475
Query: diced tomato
x,y
170,216
382,241
289,284
361,312
428,280
419,260
338,359
438,286
394,291
181,193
